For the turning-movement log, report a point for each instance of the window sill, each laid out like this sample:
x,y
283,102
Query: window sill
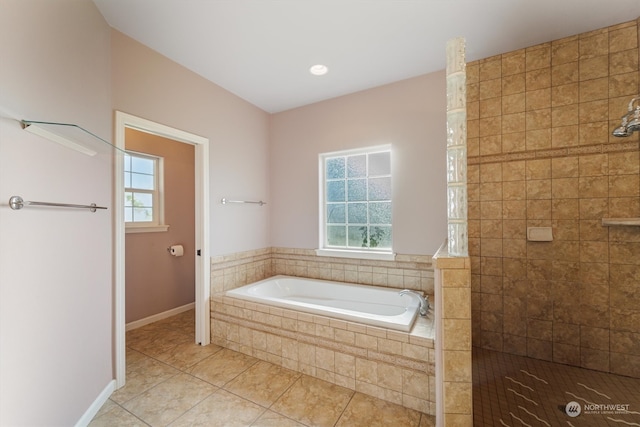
x,y
145,228
338,253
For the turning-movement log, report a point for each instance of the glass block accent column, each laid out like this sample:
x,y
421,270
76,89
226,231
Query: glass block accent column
x,y
457,148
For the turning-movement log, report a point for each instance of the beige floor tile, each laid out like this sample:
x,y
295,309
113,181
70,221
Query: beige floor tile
x,y
222,367
185,355
221,409
364,410
159,341
143,375
170,399
116,416
313,402
273,419
262,383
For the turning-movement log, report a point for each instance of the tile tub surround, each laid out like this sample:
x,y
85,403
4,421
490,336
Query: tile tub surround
x,y
541,154
393,366
235,270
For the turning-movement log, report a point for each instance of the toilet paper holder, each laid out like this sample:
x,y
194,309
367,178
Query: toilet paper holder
x,y
176,250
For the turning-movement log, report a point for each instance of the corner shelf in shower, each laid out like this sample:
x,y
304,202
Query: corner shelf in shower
x,y
625,222
71,136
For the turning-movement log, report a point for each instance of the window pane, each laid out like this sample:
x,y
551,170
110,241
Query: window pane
x,y
335,168
142,181
380,189
128,199
357,213
127,179
380,164
142,165
143,200
380,213
142,214
357,189
128,214
357,166
358,236
127,162
335,191
336,213
336,235
380,236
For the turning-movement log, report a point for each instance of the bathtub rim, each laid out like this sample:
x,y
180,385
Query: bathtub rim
x,y
336,313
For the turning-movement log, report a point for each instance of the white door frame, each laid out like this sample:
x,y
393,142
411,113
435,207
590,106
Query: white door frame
x,y
203,269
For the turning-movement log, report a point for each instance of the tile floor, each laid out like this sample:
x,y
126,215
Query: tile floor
x,y
510,390
171,381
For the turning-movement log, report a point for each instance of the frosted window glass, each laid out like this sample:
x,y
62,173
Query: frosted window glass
x,y
380,164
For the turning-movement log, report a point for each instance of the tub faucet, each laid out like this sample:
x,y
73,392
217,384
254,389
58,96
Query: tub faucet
x,y
424,301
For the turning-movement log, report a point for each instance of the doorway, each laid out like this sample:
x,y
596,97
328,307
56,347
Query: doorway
x,y
202,267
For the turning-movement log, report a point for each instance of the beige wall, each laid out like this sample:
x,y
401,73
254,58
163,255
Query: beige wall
x,y
541,154
55,264
155,280
409,115
148,85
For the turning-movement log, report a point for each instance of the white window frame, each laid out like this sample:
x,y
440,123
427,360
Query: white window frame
x,y
363,253
157,224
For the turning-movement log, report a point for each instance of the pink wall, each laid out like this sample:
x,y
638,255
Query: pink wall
x,y
148,85
55,264
409,115
155,280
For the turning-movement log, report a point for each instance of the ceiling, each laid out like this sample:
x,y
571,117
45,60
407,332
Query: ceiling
x,y
261,50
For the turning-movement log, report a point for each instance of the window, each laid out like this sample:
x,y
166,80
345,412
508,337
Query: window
x,y
356,201
143,204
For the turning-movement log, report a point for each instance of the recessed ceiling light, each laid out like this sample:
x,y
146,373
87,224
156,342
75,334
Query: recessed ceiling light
x,y
319,70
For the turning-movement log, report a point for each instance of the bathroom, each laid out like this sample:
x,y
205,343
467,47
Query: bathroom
x,y
114,64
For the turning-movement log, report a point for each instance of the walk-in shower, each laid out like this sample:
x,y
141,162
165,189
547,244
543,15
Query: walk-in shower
x,y
630,121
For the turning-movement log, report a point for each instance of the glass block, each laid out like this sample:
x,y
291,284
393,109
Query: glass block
x,y
456,55
458,239
357,166
457,164
335,168
457,202
456,92
456,128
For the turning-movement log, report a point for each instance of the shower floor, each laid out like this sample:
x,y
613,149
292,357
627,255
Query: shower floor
x,y
510,390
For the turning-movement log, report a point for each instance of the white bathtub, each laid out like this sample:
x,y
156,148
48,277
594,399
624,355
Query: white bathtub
x,y
358,303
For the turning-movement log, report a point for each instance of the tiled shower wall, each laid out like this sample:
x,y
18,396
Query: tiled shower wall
x,y
541,154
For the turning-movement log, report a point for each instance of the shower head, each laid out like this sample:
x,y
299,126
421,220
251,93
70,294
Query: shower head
x,y
630,122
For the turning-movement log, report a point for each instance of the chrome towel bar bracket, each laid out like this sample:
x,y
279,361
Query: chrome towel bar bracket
x,y
17,203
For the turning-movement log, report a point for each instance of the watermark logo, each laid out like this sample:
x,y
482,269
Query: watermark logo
x,y
573,409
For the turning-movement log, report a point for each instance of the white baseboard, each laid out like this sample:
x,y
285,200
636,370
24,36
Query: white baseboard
x,y
96,405
142,322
